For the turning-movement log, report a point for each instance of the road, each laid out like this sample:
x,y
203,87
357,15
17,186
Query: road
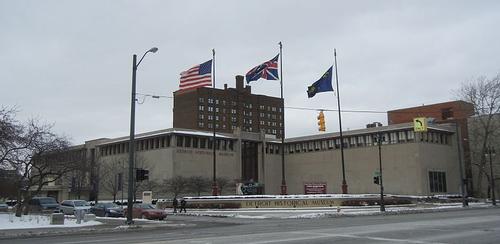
x,y
468,226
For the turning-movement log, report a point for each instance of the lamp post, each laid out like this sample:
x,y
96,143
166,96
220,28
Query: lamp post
x,y
462,180
132,137
490,151
379,138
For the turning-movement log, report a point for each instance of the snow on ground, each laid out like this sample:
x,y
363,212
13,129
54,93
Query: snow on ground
x,y
10,221
320,212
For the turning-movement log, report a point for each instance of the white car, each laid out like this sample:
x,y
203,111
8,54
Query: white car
x,y
71,206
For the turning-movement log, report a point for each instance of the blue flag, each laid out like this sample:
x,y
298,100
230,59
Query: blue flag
x,y
267,70
322,85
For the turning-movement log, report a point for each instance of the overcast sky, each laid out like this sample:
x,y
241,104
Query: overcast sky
x,y
69,62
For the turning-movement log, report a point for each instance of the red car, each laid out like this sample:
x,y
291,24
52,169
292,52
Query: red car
x,y
147,211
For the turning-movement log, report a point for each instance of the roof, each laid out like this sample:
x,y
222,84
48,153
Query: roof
x,y
169,131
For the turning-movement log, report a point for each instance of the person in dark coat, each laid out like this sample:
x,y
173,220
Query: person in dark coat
x,y
175,203
183,205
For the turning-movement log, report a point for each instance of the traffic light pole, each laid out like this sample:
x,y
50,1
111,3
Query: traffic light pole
x,y
379,140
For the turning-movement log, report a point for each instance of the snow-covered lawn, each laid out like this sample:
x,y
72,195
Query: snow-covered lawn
x,y
10,221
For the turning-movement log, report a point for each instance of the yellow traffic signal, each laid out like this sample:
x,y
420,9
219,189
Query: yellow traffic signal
x,y
321,121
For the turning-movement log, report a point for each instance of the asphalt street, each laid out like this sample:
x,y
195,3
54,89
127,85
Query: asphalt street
x,y
468,226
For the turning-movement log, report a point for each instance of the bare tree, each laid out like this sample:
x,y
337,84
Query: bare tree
x,y
222,183
112,177
175,185
484,128
198,184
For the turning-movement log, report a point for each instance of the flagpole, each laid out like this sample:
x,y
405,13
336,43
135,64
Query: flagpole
x,y
215,190
344,183
283,181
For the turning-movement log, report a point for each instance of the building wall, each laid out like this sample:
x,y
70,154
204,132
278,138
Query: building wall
x,y
447,112
234,108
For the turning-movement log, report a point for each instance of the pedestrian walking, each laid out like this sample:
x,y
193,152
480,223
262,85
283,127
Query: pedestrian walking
x,y
183,205
175,203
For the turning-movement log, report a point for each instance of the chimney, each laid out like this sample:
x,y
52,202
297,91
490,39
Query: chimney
x,y
239,82
225,86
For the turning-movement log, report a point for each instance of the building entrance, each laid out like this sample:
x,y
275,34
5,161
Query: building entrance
x,y
249,161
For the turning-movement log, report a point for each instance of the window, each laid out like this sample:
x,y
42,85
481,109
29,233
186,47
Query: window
x,y
410,135
262,115
262,122
233,103
210,100
217,110
203,142
201,99
201,108
437,181
201,116
352,141
393,136
179,141
233,111
262,107
233,119
195,142
361,140
187,141
317,145
210,125
216,101
210,109
402,136
273,109
446,113
210,117
331,144
201,124
217,117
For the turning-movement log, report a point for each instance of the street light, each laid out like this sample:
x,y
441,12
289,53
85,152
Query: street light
x,y
379,138
132,136
490,151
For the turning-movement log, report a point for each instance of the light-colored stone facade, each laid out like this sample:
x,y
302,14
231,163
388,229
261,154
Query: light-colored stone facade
x,y
413,163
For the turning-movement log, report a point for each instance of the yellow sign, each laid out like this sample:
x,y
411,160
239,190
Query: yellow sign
x,y
420,124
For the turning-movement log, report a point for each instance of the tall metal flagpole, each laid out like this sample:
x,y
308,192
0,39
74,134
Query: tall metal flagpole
x,y
215,190
344,183
283,181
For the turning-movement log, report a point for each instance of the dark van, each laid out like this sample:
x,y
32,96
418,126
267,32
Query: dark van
x,y
43,204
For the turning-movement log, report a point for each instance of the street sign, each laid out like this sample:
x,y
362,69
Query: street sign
x,y
420,124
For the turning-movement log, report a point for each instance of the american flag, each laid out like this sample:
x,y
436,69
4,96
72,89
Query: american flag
x,y
198,76
267,71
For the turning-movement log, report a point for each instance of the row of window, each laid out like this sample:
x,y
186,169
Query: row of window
x,y
164,141
201,100
360,141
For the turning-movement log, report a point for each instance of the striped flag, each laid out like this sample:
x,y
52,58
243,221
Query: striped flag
x,y
198,76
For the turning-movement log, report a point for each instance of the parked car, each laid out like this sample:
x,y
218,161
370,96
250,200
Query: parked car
x,y
43,204
4,207
107,210
147,211
71,206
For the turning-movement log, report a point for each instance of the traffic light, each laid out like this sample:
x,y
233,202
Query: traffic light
x,y
376,180
141,174
321,121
